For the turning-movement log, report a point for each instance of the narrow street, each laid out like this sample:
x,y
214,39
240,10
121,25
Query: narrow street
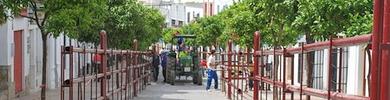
x,y
180,91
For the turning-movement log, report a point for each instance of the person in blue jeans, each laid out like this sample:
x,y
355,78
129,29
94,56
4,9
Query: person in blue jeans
x,y
211,71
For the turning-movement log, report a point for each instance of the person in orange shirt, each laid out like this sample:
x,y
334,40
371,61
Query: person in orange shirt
x,y
96,62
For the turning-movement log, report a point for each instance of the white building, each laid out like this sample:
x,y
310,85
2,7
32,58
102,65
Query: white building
x,y
193,11
213,7
21,58
177,12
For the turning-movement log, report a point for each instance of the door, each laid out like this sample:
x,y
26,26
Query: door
x,y
18,60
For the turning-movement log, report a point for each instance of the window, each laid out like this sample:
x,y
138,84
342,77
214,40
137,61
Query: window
x,y
339,70
342,70
180,23
218,9
173,22
188,17
205,8
211,9
318,70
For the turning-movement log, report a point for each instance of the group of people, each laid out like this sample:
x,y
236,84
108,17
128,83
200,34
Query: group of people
x,y
159,59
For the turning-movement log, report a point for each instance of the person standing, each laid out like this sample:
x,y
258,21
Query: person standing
x,y
156,63
164,60
211,71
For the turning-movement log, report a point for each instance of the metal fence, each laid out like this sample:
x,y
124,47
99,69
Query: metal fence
x,y
102,74
336,75
259,73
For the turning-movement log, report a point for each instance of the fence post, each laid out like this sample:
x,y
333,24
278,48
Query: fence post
x,y
255,65
284,75
301,71
376,39
135,69
229,69
330,67
385,88
103,45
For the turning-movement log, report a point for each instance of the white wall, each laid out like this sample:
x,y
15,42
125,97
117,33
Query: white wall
x,y
193,13
6,44
221,4
32,54
354,74
177,12
355,70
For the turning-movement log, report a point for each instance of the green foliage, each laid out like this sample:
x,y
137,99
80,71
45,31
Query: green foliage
x,y
168,34
130,21
210,28
123,20
3,15
61,16
322,18
280,22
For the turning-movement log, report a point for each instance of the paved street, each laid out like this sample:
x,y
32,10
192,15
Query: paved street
x,y
179,91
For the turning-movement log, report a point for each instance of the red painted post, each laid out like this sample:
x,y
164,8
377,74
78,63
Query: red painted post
x,y
330,67
127,73
230,69
376,39
385,82
62,96
103,45
71,75
292,75
135,70
284,75
256,66
261,72
301,72
223,80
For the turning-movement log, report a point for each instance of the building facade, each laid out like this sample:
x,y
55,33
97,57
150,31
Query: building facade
x,y
213,7
21,58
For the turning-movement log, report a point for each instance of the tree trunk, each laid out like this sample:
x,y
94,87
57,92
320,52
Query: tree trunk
x,y
310,64
44,66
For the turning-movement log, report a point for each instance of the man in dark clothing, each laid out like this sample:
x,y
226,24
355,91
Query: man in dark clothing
x,y
164,60
156,62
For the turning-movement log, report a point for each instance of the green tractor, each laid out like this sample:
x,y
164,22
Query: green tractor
x,y
183,62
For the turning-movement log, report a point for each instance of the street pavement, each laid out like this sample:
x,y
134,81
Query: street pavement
x,y
180,91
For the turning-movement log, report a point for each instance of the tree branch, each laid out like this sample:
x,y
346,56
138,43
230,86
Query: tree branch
x,y
44,18
35,8
32,18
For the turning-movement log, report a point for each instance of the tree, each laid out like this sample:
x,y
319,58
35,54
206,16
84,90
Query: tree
x,y
168,34
319,19
3,15
54,17
129,20
210,28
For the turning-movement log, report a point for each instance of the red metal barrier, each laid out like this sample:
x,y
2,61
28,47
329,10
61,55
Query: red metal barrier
x,y
256,67
103,74
229,68
289,88
385,44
